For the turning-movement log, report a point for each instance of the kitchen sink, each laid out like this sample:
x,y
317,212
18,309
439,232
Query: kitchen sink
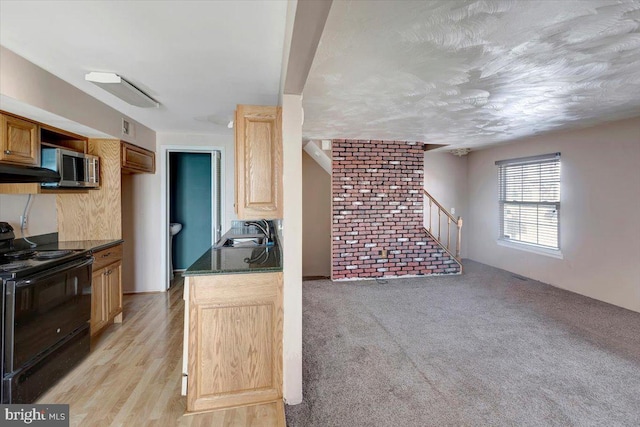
x,y
243,242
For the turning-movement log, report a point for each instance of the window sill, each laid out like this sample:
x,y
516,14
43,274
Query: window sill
x,y
553,253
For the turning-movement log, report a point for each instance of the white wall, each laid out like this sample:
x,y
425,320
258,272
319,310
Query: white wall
x,y
143,217
600,207
292,247
146,194
445,178
130,222
29,84
42,218
316,218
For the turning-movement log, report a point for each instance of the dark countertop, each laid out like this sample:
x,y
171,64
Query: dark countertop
x,y
88,245
237,260
50,242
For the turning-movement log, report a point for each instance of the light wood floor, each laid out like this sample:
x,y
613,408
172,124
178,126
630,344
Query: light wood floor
x,y
132,376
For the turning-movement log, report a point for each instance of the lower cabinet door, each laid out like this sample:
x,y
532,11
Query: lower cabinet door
x,y
114,289
106,295
235,334
99,313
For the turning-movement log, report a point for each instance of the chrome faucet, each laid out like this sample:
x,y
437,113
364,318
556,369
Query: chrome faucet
x,y
263,225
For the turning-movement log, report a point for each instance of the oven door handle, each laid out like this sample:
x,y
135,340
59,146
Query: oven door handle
x,y
54,271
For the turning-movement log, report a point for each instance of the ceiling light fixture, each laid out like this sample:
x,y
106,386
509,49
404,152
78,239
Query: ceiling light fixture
x,y
121,88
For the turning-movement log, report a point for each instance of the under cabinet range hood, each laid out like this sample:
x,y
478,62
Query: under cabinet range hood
x,y
14,174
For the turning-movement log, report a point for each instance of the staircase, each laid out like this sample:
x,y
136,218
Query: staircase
x,y
437,218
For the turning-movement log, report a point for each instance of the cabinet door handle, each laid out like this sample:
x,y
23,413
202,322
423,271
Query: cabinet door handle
x,y
106,255
7,151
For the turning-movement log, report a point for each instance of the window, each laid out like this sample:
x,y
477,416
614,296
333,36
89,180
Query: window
x,y
530,200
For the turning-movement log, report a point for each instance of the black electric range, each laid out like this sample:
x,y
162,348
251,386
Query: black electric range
x,y
46,308
15,264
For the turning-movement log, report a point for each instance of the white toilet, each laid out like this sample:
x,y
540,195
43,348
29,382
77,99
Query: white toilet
x,y
174,228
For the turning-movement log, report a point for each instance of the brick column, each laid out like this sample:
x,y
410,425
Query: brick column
x,y
377,212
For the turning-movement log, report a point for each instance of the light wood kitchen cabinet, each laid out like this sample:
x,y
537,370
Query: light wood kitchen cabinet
x,y
234,340
114,290
258,152
19,141
106,289
99,317
137,160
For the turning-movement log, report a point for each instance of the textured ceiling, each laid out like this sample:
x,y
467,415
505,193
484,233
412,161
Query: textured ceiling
x,y
472,73
197,58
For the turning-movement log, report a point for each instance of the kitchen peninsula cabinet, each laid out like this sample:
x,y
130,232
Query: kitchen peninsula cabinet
x,y
19,141
234,340
106,289
258,150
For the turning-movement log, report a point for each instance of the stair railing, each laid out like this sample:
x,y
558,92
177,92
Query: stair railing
x,y
450,219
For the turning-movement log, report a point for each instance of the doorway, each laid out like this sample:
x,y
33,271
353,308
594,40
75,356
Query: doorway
x,y
194,202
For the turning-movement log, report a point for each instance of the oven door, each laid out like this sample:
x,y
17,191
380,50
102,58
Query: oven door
x,y
42,310
30,381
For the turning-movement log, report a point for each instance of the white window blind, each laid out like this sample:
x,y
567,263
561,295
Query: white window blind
x,y
530,200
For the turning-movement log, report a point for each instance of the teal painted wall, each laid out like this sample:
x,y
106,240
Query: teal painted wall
x,y
190,195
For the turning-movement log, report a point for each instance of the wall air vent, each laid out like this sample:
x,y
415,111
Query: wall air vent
x,y
128,128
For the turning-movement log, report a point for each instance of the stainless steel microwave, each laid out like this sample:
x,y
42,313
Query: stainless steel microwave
x,y
75,169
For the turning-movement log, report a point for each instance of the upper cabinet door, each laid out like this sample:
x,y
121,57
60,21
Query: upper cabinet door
x,y
258,162
137,160
19,141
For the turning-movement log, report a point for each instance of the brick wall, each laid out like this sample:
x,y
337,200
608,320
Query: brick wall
x,y
377,205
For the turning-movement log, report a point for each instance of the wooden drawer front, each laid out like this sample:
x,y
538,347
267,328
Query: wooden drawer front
x,y
138,159
106,257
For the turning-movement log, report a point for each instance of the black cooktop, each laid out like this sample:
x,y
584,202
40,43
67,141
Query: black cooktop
x,y
25,262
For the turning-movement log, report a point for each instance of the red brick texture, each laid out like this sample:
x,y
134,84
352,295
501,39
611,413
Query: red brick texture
x,y
377,205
